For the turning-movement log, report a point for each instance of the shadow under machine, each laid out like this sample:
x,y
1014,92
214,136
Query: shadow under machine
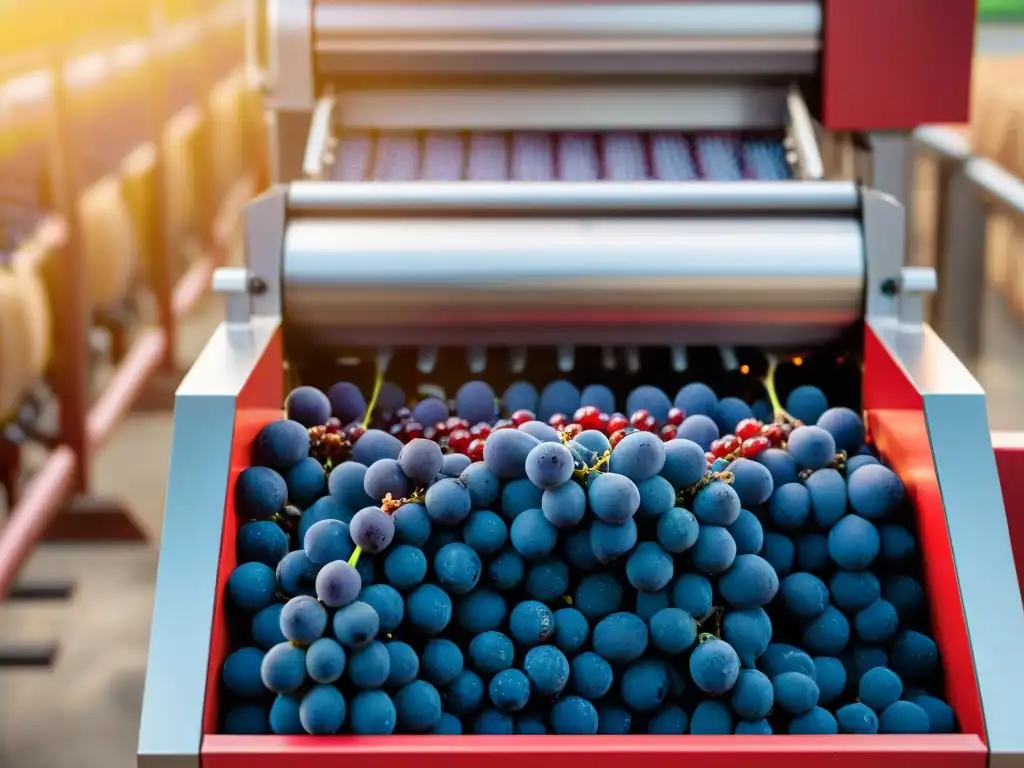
x,y
609,193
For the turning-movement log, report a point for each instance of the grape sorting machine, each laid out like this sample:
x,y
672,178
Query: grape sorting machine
x,y
529,222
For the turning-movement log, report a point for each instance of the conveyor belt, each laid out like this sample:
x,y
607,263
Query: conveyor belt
x,y
543,156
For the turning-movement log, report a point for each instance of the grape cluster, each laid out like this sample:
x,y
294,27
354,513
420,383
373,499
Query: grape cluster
x,y
691,569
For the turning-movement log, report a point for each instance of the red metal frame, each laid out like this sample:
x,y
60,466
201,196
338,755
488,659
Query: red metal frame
x,y
896,64
887,389
1009,447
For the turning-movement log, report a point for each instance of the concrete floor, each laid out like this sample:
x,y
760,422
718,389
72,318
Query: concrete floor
x,y
84,713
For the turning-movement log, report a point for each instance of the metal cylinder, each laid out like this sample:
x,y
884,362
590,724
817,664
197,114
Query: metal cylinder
x,y
784,280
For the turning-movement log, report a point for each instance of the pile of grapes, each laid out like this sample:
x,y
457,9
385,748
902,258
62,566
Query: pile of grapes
x,y
693,568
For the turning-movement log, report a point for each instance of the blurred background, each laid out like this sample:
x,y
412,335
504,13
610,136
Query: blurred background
x,y
131,135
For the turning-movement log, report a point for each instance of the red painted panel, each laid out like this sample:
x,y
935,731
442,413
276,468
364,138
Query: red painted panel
x,y
1009,447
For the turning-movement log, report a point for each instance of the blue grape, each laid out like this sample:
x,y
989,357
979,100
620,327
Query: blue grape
x,y
620,637
614,721
240,673
519,496
879,687
429,609
853,463
806,403
557,397
530,724
748,534
419,707
306,482
811,552
509,690
385,477
811,447
650,399
322,710
877,623
795,693
297,574
638,456
447,501
369,666
789,507
711,718
420,460
591,441
573,715
367,569
898,545
283,669
326,508
905,594
388,604
853,543
548,669
696,399
481,610
372,713
475,402
531,534
347,402
613,498
531,623
412,524
780,464
677,530
372,529
390,398
505,452
458,568
247,719
490,653
845,426
685,463
830,675
447,725
578,551
494,723
598,595
644,684
375,445
571,630
762,410
281,444
729,412
405,567
337,584
714,667
260,493
598,396
520,396
914,656
804,595
716,504
668,721
875,491
657,496
485,532
817,721
284,717
753,728
261,541
857,718
564,506
252,587
483,485
649,568
542,432
672,630
864,657
345,483
751,481
854,590
547,580
506,570
753,695
454,464
698,429
327,541
827,491
440,662
403,664
941,718
748,632
356,625
781,657
303,620
465,694
828,633
692,593
325,661
649,603
715,550
266,626
430,410
611,541
549,465
749,583
903,717
780,552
